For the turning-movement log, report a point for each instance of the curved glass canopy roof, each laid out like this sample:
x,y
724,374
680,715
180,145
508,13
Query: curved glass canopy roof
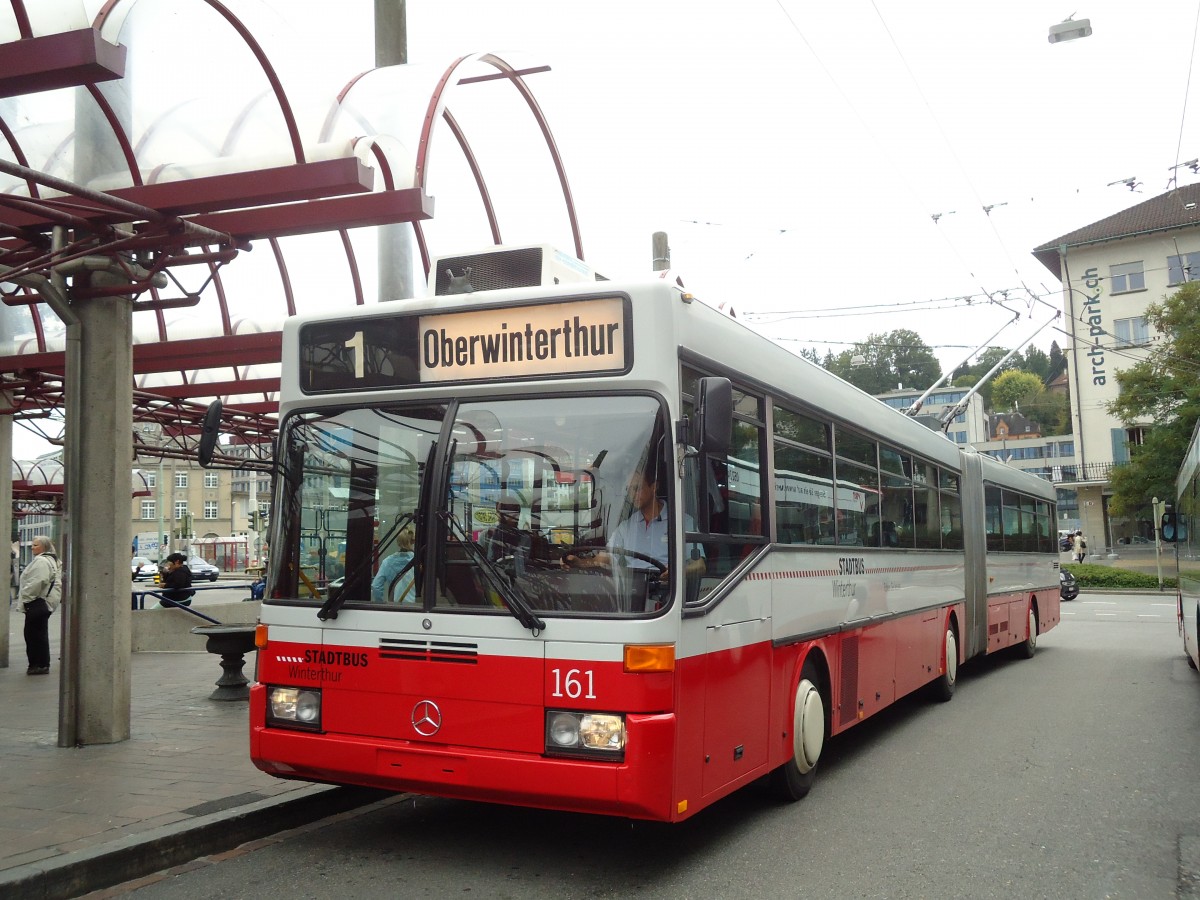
x,y
240,168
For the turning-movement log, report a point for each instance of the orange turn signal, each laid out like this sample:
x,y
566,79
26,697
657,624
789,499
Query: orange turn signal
x,y
260,635
649,657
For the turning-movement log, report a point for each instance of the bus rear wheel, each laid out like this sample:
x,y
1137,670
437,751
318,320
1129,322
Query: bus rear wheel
x,y
943,687
1028,647
794,779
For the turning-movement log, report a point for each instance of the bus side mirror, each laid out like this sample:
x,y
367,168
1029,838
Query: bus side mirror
x,y
1173,527
210,431
714,416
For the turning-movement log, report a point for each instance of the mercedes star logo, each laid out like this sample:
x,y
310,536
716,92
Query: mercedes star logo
x,y
426,718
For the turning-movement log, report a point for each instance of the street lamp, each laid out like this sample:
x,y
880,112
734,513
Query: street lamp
x,y
1069,30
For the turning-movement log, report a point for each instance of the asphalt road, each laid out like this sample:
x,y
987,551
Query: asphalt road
x,y
1071,775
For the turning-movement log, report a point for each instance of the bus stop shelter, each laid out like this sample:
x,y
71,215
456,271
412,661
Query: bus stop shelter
x,y
162,215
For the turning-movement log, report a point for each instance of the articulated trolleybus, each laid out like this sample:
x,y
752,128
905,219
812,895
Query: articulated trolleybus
x,y
599,547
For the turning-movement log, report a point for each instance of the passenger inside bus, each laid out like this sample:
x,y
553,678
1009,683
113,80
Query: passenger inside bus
x,y
883,534
394,580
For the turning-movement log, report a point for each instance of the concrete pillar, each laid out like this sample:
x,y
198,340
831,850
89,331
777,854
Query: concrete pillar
x,y
397,280
94,685
100,644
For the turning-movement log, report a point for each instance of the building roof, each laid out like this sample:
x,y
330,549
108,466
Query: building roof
x,y
1013,425
1179,208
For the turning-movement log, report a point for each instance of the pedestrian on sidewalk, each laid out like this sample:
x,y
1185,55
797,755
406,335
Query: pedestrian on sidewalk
x,y
1079,546
39,593
177,580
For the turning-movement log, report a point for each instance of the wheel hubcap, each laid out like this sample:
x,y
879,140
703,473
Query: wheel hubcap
x,y
951,657
809,728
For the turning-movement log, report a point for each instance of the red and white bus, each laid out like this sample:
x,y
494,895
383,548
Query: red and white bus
x,y
807,556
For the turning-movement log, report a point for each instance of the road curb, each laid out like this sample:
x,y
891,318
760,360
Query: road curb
x,y
73,874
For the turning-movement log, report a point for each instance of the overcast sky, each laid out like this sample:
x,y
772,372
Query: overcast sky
x,y
823,167
797,152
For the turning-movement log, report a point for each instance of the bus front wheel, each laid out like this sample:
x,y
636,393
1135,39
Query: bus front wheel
x,y
794,779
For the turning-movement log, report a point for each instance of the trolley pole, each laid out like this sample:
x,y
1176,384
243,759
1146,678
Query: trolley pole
x,y
660,252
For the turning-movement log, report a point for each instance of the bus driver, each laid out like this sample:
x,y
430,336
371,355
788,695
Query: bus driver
x,y
644,533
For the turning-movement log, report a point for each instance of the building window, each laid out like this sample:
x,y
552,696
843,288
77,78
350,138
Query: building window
x,y
148,510
181,479
1127,277
1132,331
211,480
210,509
1183,268
151,479
180,509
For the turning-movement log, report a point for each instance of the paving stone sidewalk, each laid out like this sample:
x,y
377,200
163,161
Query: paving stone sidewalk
x,y
70,816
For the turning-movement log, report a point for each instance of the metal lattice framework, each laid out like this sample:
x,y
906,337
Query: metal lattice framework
x,y
155,220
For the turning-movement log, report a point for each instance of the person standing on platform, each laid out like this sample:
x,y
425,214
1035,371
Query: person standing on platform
x,y
39,593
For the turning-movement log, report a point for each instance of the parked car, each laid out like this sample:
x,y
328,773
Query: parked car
x,y
143,569
1068,587
1064,543
203,569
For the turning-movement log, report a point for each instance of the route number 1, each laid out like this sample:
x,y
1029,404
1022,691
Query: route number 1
x,y
356,344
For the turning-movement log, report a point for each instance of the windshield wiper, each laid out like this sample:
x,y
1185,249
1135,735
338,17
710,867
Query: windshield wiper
x,y
510,592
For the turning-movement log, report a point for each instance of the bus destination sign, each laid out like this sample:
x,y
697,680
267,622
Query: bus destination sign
x,y
513,342
574,337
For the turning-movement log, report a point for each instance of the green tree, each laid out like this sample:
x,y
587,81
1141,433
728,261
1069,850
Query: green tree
x,y
1035,361
1058,362
1011,389
1165,389
969,375
1051,410
883,361
987,358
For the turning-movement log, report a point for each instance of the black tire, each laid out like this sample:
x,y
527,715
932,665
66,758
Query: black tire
x,y
1188,656
942,688
1028,647
794,779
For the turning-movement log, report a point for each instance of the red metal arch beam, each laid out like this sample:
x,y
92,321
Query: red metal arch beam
x,y
436,108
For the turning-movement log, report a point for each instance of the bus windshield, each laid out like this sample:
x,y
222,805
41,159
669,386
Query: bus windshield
x,y
499,507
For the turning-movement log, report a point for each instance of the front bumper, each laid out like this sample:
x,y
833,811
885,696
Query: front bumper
x,y
639,788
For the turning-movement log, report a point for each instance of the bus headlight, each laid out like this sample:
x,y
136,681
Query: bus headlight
x,y
294,707
595,735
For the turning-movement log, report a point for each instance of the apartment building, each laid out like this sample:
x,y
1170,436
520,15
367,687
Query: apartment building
x,y
965,428
1110,271
191,509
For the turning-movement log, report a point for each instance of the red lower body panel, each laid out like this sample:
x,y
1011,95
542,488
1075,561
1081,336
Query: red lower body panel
x,y
640,787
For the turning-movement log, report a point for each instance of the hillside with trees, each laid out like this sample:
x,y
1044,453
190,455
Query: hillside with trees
x,y
885,360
